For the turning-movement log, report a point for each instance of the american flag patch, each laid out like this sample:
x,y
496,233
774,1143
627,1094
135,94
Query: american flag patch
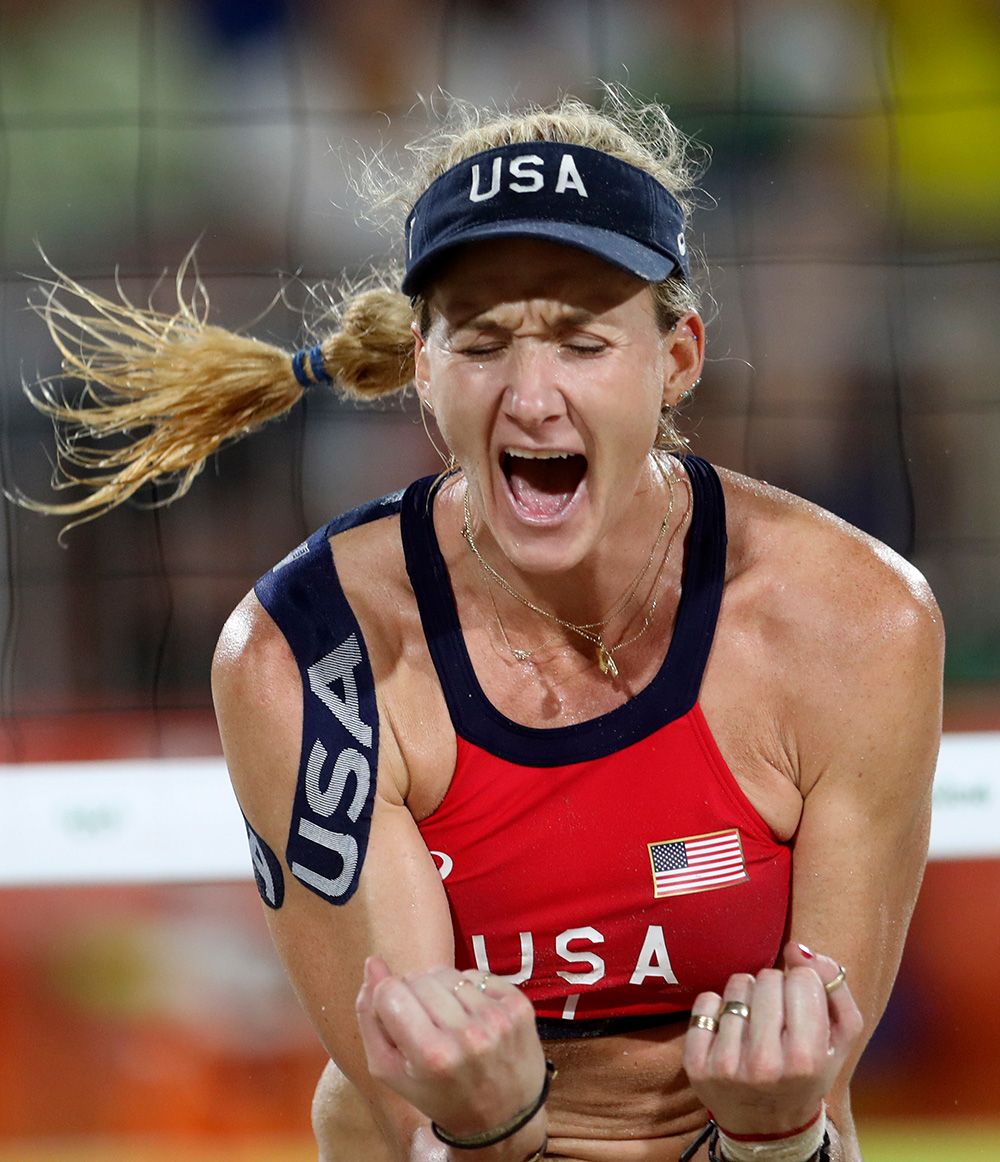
x,y
698,863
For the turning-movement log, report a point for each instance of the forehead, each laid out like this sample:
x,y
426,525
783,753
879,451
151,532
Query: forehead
x,y
480,276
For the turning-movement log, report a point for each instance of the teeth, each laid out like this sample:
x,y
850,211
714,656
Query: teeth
x,y
538,454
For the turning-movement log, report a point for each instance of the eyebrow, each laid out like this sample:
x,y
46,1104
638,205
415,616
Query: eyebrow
x,y
567,317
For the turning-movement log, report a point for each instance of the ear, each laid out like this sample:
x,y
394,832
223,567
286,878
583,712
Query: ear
x,y
421,374
684,357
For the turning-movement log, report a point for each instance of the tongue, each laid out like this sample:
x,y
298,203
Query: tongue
x,y
544,487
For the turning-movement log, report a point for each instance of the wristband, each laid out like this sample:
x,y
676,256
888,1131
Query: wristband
x,y
772,1149
510,1127
803,1145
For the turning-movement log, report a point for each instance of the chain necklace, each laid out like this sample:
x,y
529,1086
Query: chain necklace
x,y
586,630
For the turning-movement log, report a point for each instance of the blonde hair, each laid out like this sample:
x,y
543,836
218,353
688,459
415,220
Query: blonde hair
x,y
189,386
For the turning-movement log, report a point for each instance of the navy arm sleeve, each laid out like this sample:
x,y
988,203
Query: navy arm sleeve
x,y
335,790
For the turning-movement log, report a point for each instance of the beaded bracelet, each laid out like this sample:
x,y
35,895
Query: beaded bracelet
x,y
510,1127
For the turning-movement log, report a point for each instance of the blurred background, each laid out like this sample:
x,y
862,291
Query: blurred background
x,y
851,224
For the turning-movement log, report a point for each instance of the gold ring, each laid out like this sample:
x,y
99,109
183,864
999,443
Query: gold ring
x,y
459,984
737,1008
837,981
704,1021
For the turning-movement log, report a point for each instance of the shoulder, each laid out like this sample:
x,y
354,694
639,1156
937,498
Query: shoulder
x,y
840,636
257,693
348,576
816,578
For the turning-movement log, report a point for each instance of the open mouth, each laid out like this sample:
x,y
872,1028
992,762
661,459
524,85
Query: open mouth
x,y
542,483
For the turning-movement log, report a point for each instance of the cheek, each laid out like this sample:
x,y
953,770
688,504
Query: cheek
x,y
459,421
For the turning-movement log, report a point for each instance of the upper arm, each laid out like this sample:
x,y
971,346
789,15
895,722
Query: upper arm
x,y
866,731
398,911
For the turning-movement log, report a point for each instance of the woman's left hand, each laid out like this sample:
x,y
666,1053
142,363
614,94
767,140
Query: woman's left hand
x,y
768,1072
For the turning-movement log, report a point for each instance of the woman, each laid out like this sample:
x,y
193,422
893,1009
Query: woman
x,y
557,769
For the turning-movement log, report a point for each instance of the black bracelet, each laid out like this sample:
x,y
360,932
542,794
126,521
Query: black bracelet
x,y
711,1132
509,1128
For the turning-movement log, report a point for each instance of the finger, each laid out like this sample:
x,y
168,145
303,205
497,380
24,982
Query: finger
x,y
384,1058
446,997
807,1020
702,1029
826,968
846,1022
734,1017
405,1020
767,1021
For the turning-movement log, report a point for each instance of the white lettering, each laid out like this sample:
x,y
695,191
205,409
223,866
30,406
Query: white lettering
x,y
566,953
518,169
445,866
260,865
681,244
349,762
569,1008
344,845
653,959
474,194
527,958
339,666
569,177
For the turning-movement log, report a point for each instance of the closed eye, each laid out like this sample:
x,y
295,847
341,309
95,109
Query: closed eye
x,y
586,348
480,351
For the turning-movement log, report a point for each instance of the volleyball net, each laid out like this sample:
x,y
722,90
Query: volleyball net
x,y
176,821
851,219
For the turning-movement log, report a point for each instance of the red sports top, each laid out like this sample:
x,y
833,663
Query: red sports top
x,y
613,867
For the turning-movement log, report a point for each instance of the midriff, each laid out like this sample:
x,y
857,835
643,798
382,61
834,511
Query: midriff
x,y
622,1098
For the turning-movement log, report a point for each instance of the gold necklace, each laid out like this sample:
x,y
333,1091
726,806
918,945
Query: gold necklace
x,y
604,655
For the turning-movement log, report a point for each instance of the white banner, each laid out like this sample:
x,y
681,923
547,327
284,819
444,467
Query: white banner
x,y
132,821
965,823
172,820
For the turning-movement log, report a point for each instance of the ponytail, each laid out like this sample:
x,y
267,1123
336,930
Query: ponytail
x,y
187,387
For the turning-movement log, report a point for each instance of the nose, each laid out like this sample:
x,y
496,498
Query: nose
x,y
533,394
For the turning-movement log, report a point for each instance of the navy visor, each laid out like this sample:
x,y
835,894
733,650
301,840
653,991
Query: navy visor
x,y
563,193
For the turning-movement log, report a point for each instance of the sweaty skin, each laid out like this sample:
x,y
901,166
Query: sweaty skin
x,y
822,691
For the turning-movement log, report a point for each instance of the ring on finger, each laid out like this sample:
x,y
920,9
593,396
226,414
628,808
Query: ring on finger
x,y
458,984
481,984
838,980
704,1021
737,1008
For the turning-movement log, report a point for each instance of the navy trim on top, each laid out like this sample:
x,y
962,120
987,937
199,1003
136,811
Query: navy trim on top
x,y
310,610
670,695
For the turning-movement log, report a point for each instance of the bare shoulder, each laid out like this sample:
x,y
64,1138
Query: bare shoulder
x,y
839,636
252,657
817,576
258,703
372,572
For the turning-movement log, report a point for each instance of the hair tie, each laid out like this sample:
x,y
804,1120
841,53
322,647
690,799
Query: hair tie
x,y
316,366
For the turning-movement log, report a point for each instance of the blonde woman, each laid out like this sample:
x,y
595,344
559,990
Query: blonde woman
x,y
587,785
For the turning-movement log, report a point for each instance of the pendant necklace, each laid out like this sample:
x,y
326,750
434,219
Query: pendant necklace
x,y
590,631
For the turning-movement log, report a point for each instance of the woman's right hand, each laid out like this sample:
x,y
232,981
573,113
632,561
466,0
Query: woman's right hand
x,y
459,1046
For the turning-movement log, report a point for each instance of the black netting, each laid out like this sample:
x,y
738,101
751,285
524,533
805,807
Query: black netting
x,y
853,256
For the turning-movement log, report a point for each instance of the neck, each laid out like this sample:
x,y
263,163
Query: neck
x,y
599,599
